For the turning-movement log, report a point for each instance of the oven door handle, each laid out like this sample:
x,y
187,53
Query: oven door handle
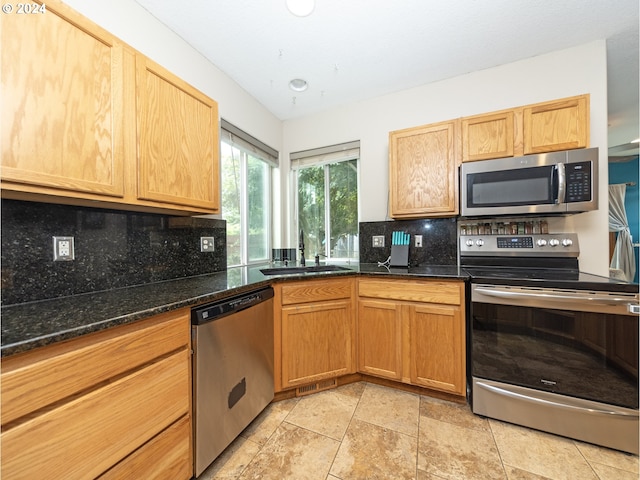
x,y
577,296
528,398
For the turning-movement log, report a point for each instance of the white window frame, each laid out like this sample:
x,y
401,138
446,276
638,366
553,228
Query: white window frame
x,y
249,146
324,157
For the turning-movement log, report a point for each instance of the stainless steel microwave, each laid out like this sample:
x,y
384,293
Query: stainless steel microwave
x,y
547,183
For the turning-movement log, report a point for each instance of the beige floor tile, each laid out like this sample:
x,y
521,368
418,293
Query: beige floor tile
x,y
605,472
389,408
457,413
540,453
612,458
453,452
232,462
514,473
269,419
422,475
352,389
293,453
375,453
327,413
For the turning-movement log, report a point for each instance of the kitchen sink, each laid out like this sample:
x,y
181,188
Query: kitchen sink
x,y
297,270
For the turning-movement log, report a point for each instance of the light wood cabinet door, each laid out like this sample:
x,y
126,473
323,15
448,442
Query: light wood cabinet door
x,y
178,150
62,105
380,338
488,136
557,125
437,358
423,176
317,342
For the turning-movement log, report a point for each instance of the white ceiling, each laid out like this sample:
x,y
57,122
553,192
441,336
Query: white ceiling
x,y
351,50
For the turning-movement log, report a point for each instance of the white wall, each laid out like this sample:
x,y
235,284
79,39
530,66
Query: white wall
x,y
559,74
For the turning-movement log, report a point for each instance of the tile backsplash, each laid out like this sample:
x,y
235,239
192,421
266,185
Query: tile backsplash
x,y
439,241
112,249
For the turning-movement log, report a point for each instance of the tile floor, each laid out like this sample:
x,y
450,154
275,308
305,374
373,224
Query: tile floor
x,y
366,431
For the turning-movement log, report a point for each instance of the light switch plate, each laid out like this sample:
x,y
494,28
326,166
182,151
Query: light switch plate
x,y
418,241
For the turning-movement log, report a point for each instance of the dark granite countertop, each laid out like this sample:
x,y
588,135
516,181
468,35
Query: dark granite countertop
x,y
36,324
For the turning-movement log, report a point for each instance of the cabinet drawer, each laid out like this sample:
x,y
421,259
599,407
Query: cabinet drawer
x,y
48,375
85,436
413,291
316,290
165,456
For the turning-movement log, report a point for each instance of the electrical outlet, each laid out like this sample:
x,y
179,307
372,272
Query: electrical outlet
x,y
418,241
63,249
378,241
207,244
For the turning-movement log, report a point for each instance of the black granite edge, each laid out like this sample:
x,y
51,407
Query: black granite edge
x,y
69,317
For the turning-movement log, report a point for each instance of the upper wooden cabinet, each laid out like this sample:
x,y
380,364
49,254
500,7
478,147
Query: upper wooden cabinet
x,y
62,104
423,178
89,121
177,140
543,127
488,136
557,125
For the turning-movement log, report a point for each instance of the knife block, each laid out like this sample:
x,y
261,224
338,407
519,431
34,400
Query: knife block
x,y
399,256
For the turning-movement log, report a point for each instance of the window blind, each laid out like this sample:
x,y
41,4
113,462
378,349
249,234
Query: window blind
x,y
325,155
234,136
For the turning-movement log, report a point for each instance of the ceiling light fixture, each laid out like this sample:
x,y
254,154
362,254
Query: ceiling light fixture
x,y
298,85
637,140
301,8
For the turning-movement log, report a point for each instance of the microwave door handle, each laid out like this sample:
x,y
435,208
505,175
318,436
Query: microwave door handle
x,y
562,183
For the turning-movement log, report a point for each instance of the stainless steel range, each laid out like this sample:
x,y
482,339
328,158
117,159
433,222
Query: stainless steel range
x,y
551,348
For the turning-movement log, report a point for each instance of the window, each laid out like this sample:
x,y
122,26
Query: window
x,y
246,167
326,186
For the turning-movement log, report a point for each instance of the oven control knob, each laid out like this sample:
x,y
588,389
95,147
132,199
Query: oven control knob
x,y
469,243
567,242
554,242
479,242
541,242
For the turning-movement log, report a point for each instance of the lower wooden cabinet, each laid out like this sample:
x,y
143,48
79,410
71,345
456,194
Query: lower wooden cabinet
x,y
104,404
314,325
413,331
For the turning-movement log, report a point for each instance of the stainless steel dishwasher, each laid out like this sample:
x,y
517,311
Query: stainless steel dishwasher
x,y
232,369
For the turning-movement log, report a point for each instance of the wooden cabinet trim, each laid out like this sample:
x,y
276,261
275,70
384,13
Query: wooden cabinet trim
x,y
412,290
316,290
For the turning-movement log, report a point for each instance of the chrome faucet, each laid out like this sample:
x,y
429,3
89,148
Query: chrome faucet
x,y
301,246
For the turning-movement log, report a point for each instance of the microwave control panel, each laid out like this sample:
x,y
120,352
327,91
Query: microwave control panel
x,y
578,182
